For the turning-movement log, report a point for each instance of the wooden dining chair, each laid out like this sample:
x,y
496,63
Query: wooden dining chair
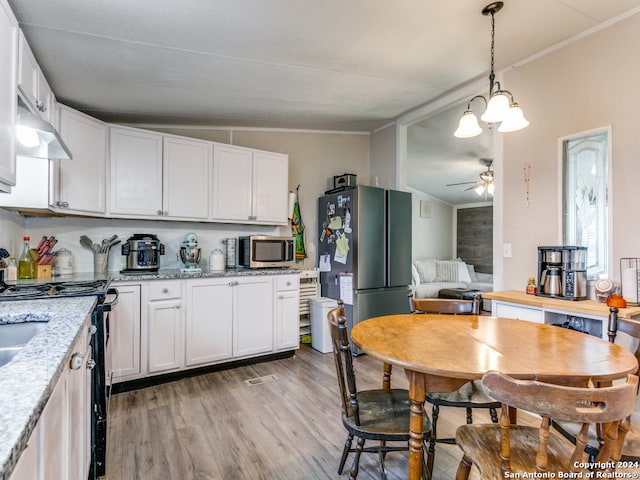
x,y
381,415
513,451
631,447
471,395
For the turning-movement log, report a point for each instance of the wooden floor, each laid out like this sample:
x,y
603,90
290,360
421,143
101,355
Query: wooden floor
x,y
216,426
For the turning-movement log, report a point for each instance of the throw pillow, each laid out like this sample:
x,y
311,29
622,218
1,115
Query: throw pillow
x,y
472,272
463,273
426,270
446,271
415,275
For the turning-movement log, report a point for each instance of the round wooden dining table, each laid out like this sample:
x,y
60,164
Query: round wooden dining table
x,y
440,353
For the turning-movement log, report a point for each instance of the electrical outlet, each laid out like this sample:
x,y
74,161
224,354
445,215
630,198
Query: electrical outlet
x,y
506,250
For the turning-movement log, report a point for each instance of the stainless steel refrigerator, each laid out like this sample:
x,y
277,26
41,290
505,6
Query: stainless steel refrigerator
x,y
364,248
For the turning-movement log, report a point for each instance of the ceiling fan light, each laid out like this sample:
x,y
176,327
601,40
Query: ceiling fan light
x,y
479,190
468,126
490,189
497,108
514,120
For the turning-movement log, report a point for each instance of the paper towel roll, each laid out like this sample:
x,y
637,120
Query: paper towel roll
x,y
629,280
292,202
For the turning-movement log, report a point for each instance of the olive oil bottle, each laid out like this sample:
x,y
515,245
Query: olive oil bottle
x,y
26,264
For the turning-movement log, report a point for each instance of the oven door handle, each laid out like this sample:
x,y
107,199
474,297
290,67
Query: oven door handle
x,y
107,306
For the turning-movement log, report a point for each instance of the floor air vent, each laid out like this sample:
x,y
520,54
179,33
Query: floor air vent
x,y
260,380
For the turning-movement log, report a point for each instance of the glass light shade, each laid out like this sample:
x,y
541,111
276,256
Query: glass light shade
x,y
497,108
27,136
514,120
468,126
479,189
491,188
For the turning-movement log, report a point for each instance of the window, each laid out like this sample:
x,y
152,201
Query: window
x,y
585,172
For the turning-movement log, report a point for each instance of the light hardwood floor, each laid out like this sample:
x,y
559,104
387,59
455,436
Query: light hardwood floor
x,y
215,426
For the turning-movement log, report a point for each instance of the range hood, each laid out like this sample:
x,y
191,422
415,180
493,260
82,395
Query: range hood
x,y
49,143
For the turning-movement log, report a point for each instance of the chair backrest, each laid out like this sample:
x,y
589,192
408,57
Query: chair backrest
x,y
628,326
586,406
344,361
444,305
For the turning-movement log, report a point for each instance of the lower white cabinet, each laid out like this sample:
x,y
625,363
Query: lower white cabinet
x,y
287,312
60,445
252,315
164,326
124,339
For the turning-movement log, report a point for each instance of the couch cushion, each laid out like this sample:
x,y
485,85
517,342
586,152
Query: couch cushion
x,y
426,269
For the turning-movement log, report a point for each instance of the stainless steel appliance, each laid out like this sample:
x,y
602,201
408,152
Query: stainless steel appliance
x,y
143,252
364,250
190,254
562,272
263,251
100,347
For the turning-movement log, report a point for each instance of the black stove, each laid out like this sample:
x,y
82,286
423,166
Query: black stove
x,y
101,373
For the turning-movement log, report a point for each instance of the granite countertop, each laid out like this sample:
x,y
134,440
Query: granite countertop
x,y
177,274
26,382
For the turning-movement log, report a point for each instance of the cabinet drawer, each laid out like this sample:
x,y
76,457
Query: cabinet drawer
x,y
164,290
287,282
519,312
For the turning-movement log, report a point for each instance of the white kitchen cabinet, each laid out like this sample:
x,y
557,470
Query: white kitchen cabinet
x,y
135,166
81,181
287,312
28,466
209,320
8,75
124,339
519,312
249,186
165,325
252,315
186,178
32,82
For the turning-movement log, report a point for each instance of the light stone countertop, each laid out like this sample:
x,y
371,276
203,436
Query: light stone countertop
x,y
26,382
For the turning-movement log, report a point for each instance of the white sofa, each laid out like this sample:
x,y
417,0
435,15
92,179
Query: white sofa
x,y
431,275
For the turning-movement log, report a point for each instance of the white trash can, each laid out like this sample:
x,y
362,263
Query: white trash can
x,y
320,332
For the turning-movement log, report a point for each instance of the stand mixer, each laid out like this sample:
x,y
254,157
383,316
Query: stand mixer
x,y
190,254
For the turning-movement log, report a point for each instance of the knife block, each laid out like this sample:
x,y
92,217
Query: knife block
x,y
43,271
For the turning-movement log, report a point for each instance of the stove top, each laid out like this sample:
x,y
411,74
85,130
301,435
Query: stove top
x,y
53,289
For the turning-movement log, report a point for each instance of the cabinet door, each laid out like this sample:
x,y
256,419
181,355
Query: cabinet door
x,y
253,316
186,177
287,320
79,408
28,71
165,335
9,62
270,188
232,183
209,307
54,432
519,312
135,164
124,328
28,466
82,180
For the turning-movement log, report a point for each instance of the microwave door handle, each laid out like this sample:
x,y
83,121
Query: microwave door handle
x,y
290,250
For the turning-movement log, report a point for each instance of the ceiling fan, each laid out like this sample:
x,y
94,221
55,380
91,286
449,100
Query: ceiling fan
x,y
485,184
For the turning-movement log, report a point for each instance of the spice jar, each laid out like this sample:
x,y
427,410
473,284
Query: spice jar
x,y
531,286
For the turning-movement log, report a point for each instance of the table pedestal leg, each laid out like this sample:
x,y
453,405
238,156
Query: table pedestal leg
x,y
417,396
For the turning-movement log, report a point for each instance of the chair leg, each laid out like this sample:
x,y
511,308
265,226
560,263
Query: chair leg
x,y
345,453
469,415
494,415
383,471
464,468
427,462
431,453
356,459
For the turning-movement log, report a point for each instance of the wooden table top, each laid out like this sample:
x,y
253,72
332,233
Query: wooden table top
x,y
467,346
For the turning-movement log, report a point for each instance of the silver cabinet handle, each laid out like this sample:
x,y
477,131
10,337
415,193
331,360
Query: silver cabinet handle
x,y
288,283
91,364
160,212
62,204
165,290
76,361
92,329
41,106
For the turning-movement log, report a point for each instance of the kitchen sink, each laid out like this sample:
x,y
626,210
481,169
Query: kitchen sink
x,y
14,336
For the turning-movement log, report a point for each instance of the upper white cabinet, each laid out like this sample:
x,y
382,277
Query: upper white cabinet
x,y
135,165
33,84
8,75
158,175
249,186
186,178
81,182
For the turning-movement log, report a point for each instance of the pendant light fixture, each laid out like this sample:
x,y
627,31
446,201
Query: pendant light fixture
x,y
501,107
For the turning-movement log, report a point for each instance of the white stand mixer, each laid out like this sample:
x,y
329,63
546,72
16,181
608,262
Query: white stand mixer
x,y
190,254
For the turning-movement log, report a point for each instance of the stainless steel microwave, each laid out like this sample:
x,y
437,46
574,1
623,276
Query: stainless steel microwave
x,y
263,251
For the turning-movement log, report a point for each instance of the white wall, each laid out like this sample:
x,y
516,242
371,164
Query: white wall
x,y
585,85
383,157
432,236
12,229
